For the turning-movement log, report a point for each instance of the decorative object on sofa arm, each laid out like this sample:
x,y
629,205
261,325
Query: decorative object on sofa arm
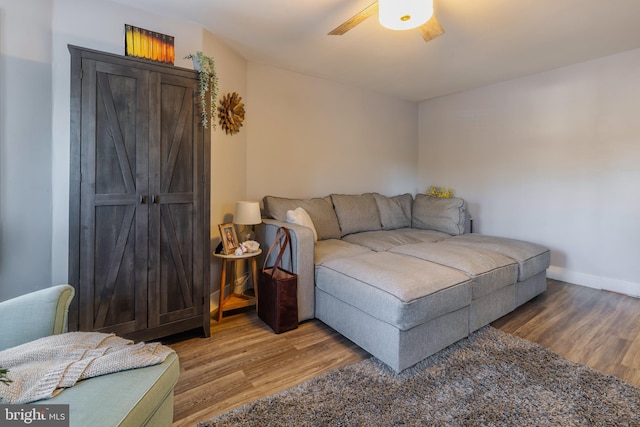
x,y
278,288
440,192
228,238
206,68
247,214
231,113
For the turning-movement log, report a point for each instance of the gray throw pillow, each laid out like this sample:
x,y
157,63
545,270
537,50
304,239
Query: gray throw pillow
x,y
356,213
440,214
319,209
395,212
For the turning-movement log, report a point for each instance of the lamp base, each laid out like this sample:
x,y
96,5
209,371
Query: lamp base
x,y
246,234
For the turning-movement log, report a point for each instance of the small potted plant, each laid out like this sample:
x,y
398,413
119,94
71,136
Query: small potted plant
x,y
206,68
4,379
443,193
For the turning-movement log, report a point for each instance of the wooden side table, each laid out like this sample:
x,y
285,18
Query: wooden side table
x,y
234,301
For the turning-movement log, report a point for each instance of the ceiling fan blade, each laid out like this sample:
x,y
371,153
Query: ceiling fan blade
x,y
355,20
431,29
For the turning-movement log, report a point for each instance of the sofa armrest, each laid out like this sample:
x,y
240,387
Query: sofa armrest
x,y
303,254
35,315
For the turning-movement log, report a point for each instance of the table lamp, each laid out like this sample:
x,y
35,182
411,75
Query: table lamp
x,y
247,214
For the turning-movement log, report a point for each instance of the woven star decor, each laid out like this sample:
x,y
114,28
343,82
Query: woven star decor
x,y
231,113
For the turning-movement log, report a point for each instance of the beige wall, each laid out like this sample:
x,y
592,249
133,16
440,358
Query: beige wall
x,y
551,158
310,137
228,152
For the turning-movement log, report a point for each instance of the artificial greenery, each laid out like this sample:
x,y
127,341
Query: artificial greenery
x,y
3,376
440,192
208,82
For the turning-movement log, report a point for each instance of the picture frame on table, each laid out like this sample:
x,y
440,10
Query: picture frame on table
x,y
228,237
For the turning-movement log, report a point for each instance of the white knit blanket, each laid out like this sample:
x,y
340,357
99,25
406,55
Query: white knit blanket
x,y
42,368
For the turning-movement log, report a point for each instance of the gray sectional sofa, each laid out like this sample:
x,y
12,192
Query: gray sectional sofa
x,y
400,276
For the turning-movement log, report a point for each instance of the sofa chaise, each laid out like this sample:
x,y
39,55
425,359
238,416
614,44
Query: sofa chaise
x,y
401,276
138,397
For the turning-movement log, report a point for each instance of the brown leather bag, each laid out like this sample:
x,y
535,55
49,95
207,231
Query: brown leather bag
x,y
278,288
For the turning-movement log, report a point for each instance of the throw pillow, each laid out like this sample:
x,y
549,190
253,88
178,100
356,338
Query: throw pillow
x,y
439,214
301,217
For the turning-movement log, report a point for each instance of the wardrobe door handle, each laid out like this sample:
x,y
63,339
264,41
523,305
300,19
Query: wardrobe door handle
x,y
154,199
141,199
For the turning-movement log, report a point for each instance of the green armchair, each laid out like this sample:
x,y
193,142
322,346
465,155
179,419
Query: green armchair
x,y
35,315
137,397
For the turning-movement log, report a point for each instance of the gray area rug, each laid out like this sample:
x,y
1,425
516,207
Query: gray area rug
x,y
491,378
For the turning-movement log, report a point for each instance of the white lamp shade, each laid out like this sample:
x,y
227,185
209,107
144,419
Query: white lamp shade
x,y
404,14
247,213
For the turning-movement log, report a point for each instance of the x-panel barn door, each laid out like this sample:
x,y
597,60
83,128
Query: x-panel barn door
x,y
176,165
114,205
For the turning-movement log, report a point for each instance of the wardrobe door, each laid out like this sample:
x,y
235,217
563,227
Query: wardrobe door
x,y
176,227
113,198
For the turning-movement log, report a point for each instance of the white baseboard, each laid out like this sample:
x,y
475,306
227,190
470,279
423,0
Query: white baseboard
x,y
214,301
596,282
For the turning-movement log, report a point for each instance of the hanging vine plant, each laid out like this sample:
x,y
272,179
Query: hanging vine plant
x,y
206,68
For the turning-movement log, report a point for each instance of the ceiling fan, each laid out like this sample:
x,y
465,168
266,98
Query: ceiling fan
x,y
397,19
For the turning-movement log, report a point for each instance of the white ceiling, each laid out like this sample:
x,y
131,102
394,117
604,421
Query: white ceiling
x,y
485,41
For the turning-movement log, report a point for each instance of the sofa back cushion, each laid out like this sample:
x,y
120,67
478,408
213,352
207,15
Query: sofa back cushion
x,y
441,214
320,211
356,213
395,212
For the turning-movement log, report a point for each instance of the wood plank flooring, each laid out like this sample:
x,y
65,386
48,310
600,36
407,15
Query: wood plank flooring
x,y
243,360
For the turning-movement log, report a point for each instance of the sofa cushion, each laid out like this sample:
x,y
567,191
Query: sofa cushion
x,y
440,214
490,271
381,240
329,249
531,258
422,235
356,213
301,217
320,211
384,240
127,398
395,212
400,290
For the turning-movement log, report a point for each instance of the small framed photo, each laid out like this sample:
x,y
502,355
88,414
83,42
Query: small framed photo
x,y
229,238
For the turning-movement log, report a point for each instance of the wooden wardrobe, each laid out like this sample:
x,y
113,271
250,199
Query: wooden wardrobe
x,y
139,247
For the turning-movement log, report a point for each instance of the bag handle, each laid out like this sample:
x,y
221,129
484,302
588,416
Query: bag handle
x,y
287,242
282,232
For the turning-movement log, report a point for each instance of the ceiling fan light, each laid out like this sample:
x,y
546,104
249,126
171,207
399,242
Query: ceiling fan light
x,y
404,14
